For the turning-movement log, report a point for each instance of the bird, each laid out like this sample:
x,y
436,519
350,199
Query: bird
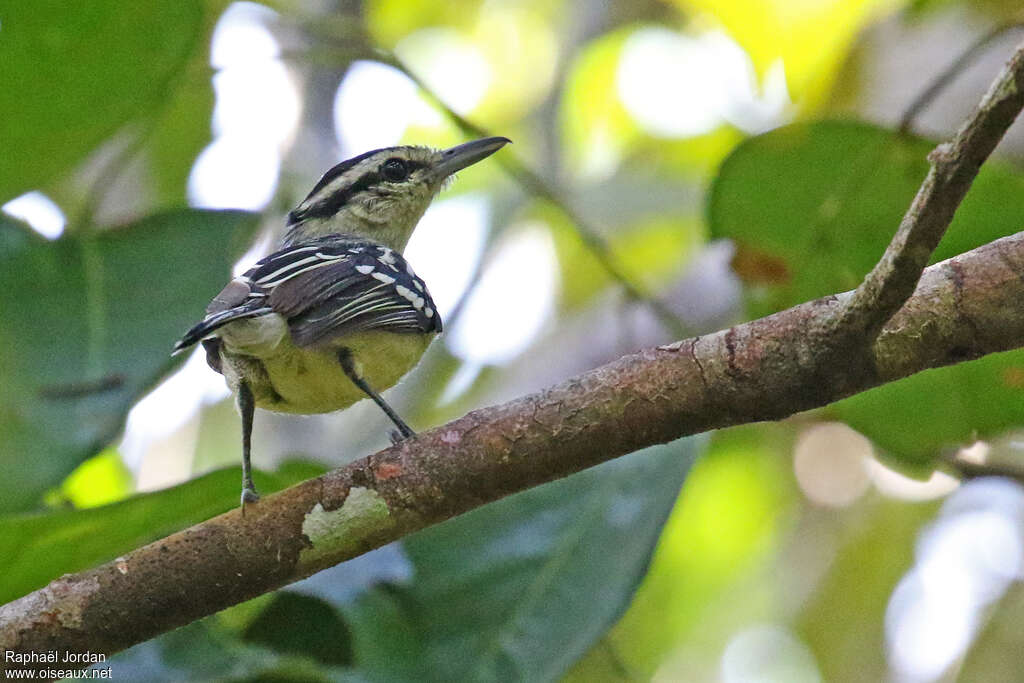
x,y
335,314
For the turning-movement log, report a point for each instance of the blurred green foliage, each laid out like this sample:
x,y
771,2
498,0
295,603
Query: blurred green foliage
x,y
106,107
88,323
75,73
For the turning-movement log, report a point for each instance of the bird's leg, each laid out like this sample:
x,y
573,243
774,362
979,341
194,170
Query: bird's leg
x,y
348,365
246,406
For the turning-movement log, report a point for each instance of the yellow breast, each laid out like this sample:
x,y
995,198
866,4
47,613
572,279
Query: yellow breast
x,y
312,380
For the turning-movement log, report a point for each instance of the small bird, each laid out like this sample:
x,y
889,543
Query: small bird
x,y
336,314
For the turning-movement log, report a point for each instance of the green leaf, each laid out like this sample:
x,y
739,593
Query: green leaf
x,y
519,589
737,502
328,641
183,130
37,548
74,72
811,208
207,651
88,324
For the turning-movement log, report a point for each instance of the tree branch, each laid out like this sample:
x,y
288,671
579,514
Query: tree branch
x,y
954,167
767,369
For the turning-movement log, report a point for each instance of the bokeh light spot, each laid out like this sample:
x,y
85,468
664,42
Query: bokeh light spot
x,y
830,461
676,85
255,116
39,211
374,105
511,302
450,66
768,654
447,245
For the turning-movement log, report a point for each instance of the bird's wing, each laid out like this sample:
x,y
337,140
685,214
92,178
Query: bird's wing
x,y
324,289
335,287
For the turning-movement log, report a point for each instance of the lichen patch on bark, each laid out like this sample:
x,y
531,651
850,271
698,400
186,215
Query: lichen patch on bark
x,y
334,532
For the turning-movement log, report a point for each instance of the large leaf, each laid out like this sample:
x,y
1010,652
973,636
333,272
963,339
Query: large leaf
x,y
737,501
812,207
73,72
87,327
206,650
37,548
519,589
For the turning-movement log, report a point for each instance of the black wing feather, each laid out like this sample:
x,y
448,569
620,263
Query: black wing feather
x,y
326,288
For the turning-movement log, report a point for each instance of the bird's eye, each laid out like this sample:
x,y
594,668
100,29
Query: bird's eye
x,y
395,170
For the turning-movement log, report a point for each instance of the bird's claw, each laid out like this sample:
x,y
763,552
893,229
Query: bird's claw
x,y
249,496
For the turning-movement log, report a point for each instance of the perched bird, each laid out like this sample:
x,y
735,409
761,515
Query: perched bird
x,y
336,314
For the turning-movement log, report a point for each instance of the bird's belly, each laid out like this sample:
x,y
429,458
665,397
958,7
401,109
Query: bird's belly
x,y
312,380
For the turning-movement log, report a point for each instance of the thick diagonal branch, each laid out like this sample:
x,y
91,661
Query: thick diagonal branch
x,y
762,370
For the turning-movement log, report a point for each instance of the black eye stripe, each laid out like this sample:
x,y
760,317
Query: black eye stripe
x,y
333,202
338,170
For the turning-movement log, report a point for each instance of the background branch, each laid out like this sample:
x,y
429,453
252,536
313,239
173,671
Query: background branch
x,y
942,81
763,370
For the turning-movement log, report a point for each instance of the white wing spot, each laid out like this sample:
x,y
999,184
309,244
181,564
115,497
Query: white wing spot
x,y
418,302
429,312
365,270
387,256
386,279
419,285
406,293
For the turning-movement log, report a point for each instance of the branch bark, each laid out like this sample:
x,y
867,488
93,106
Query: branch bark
x,y
801,358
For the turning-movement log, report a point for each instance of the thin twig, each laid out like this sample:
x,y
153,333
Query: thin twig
x,y
106,178
942,81
954,165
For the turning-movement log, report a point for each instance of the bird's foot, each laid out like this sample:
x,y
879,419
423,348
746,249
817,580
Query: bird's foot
x,y
249,496
398,437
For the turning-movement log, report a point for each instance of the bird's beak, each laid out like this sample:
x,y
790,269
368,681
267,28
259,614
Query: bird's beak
x,y
459,157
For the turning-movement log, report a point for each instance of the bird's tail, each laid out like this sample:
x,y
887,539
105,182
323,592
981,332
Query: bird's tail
x,y
212,322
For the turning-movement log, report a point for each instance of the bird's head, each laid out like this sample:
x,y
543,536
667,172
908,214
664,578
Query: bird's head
x,y
382,194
